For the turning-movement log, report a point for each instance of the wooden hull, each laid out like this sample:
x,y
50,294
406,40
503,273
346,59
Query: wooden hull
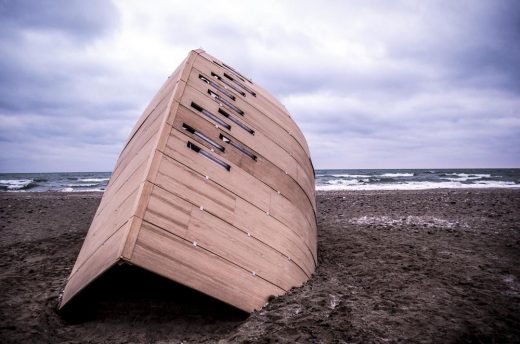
x,y
214,189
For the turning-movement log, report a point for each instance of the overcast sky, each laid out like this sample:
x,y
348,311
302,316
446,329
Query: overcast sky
x,y
372,84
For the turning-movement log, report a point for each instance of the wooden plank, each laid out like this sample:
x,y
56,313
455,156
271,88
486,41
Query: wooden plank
x,y
105,257
275,112
189,222
235,179
261,168
259,91
152,164
229,242
187,184
307,183
163,94
255,118
165,90
294,218
239,182
258,141
274,233
147,131
218,201
168,255
104,226
124,187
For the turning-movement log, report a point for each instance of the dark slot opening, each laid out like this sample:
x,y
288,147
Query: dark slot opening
x,y
202,137
188,128
208,155
227,83
238,146
193,147
231,70
216,86
244,87
195,106
210,116
219,99
236,121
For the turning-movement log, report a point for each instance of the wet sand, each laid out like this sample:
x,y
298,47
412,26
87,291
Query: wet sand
x,y
414,266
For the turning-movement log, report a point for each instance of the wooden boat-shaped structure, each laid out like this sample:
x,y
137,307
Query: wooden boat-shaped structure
x,y
214,189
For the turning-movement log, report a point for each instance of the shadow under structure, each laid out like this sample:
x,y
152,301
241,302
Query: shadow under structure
x,y
214,189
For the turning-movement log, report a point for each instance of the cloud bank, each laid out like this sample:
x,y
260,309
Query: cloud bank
x,y
372,84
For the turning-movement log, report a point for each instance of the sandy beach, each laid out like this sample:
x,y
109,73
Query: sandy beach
x,y
414,266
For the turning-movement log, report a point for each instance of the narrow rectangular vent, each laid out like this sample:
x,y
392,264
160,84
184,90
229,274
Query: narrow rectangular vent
x,y
210,116
208,155
236,121
244,87
233,71
216,86
227,83
221,100
238,146
202,137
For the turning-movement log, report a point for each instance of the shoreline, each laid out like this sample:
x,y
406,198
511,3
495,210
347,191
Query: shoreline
x,y
394,265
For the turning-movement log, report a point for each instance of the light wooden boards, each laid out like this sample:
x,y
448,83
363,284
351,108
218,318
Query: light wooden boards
x,y
214,189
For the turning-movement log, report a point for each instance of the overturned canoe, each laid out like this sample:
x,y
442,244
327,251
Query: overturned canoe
x,y
214,189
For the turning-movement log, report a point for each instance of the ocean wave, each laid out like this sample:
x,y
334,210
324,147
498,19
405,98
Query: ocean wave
x,y
463,177
82,185
397,175
345,182
90,180
69,189
351,175
17,184
417,186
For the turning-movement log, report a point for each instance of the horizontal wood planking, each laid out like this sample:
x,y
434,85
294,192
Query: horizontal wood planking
x,y
255,118
274,233
258,142
133,173
189,185
189,222
152,164
122,195
275,112
287,213
245,80
105,256
240,183
164,92
168,255
237,180
261,168
260,236
147,130
104,226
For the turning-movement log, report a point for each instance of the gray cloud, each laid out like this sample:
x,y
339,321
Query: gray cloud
x,y
80,19
371,83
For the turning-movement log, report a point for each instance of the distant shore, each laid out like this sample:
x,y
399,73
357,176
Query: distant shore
x,y
423,266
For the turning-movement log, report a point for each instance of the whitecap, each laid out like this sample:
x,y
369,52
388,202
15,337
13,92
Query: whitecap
x,y
417,185
82,185
15,184
396,175
90,180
